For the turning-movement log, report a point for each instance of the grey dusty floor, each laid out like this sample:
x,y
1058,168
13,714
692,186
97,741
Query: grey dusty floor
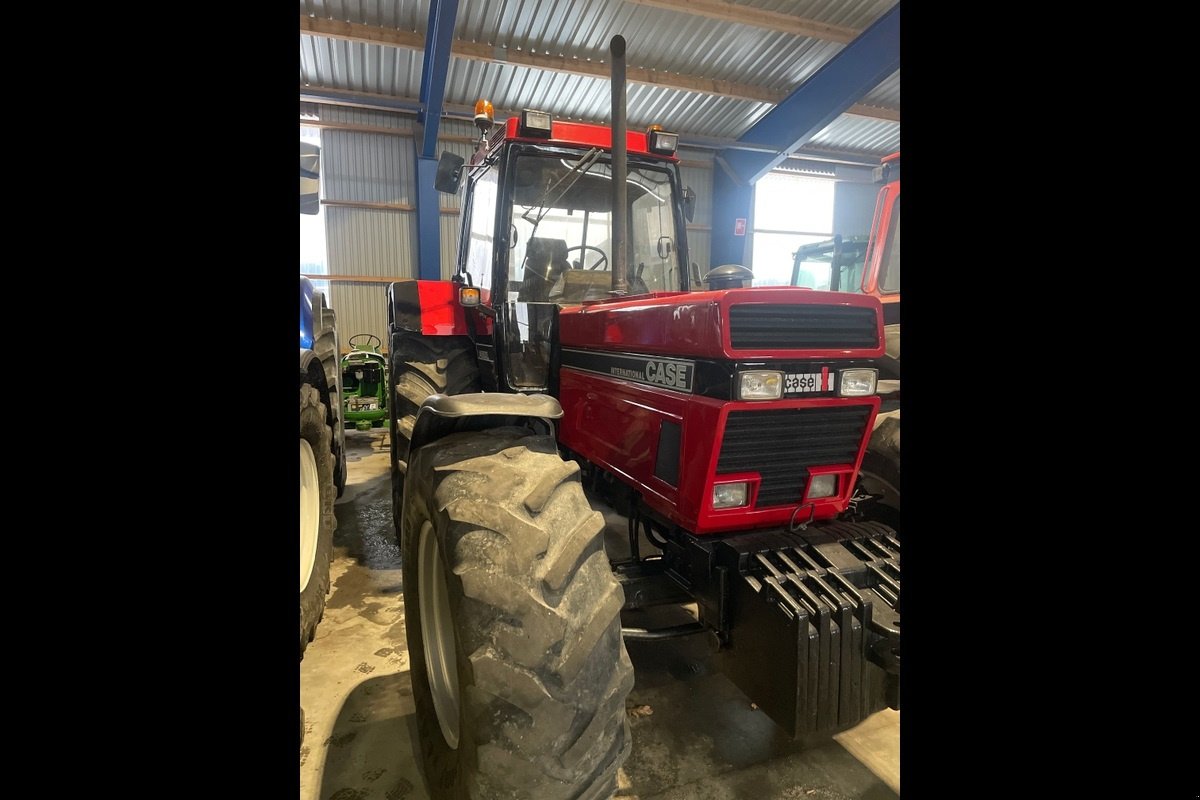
x,y
695,735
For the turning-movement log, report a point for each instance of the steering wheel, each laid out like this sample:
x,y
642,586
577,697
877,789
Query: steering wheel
x,y
603,256
371,344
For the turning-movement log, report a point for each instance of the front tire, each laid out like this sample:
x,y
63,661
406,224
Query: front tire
x,y
518,668
316,511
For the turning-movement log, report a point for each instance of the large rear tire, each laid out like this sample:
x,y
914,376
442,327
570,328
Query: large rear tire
x,y
422,366
325,347
518,669
316,511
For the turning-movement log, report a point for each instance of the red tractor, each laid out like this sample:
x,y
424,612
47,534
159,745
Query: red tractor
x,y
879,474
576,345
870,265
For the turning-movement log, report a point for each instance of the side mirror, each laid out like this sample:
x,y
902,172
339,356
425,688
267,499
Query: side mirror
x,y
449,171
689,203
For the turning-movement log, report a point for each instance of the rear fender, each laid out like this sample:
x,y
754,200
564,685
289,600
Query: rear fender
x,y
427,307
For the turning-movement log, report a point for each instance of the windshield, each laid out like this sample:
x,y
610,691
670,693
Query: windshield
x,y
561,217
813,265
889,278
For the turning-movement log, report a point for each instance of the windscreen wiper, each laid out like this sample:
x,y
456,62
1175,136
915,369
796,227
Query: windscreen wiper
x,y
578,171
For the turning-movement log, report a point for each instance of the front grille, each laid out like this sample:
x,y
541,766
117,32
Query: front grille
x,y
786,327
782,444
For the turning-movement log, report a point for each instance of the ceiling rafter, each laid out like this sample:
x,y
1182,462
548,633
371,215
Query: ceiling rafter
x,y
759,18
392,37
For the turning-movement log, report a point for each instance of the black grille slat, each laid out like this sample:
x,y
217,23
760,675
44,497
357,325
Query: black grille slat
x,y
781,444
785,327
824,432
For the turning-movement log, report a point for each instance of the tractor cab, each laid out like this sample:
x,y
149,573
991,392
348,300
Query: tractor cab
x,y
549,185
538,228
834,265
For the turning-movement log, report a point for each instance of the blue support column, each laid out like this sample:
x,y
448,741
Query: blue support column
x,y
429,234
438,37
732,200
857,69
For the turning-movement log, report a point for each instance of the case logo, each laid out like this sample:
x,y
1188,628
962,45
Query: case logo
x,y
670,373
667,373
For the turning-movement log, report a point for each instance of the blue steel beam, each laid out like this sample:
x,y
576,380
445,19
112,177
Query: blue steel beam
x,y
434,69
436,66
857,69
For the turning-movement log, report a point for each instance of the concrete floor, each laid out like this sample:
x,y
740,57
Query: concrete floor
x,y
695,735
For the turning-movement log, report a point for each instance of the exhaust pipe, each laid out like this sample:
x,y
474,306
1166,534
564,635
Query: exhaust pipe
x,y
620,169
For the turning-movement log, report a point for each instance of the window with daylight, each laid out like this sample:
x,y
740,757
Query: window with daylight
x,y
312,229
789,210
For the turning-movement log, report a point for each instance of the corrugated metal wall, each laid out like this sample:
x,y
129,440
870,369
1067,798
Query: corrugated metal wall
x,y
368,242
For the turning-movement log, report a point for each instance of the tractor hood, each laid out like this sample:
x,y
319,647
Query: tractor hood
x,y
765,322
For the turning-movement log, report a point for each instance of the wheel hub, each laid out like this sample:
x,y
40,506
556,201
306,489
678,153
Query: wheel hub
x,y
310,512
437,634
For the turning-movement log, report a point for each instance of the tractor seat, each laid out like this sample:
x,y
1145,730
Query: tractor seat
x,y
545,260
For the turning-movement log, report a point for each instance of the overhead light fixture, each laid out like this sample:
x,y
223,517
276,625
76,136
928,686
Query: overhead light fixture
x,y
659,141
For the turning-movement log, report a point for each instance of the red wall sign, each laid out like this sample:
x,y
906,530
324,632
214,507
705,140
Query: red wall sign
x,y
739,227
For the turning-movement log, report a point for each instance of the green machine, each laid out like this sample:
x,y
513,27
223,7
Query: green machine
x,y
364,383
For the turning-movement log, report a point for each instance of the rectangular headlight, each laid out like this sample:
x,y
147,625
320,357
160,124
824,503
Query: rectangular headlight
x,y
731,495
760,385
535,123
822,486
857,382
663,142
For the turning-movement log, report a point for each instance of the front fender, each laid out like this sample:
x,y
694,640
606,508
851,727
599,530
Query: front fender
x,y
441,415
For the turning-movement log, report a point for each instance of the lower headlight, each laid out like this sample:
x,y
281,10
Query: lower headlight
x,y
731,495
822,486
760,385
857,382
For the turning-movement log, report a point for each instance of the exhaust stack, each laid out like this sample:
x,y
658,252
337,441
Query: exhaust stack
x,y
620,267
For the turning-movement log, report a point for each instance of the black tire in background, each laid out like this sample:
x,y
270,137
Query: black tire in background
x,y
325,347
316,511
880,472
518,668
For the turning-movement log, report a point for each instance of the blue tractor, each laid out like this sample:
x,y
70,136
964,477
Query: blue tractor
x,y
322,429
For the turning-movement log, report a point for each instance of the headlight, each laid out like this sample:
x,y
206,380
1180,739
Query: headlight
x,y
535,123
760,385
822,486
660,141
857,382
730,495
468,296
